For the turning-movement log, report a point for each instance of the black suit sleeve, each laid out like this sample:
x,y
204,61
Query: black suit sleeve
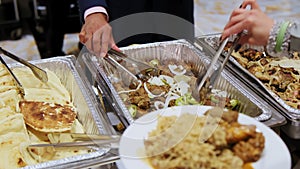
x,y
86,4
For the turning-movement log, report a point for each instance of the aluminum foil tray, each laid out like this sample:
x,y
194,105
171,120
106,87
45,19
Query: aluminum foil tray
x,y
210,42
180,50
88,114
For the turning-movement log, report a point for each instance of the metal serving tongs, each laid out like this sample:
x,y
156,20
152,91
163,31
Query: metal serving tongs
x,y
17,82
207,81
38,72
142,72
84,140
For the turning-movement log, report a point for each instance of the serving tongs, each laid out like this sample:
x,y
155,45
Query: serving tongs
x,y
38,72
207,79
142,71
17,82
84,140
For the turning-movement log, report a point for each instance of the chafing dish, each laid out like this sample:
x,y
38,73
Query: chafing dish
x,y
292,115
88,112
252,104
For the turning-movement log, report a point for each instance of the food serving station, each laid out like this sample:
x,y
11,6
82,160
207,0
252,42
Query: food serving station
x,y
94,86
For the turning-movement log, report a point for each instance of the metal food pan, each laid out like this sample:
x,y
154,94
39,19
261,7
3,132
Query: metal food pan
x,y
87,113
292,127
210,43
180,50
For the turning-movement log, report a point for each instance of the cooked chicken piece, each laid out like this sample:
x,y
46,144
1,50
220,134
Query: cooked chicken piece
x,y
264,61
255,68
237,132
230,116
158,89
144,103
136,99
250,150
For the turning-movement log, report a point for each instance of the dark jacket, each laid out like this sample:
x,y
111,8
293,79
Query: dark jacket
x,y
172,19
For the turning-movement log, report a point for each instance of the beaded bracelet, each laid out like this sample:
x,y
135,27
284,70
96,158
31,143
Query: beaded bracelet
x,y
280,36
274,41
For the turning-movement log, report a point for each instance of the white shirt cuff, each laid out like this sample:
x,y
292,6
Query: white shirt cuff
x,y
95,10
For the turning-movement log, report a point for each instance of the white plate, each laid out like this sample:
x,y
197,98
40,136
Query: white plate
x,y
275,155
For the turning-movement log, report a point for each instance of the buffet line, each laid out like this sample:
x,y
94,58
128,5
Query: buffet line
x,y
79,118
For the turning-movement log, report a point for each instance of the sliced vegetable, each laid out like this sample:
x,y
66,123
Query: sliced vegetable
x,y
169,98
159,105
161,80
154,62
184,78
234,103
132,110
183,88
127,91
177,70
167,79
214,99
156,81
187,99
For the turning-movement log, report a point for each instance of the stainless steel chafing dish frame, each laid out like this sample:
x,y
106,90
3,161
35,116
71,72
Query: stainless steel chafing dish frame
x,y
292,127
88,113
98,74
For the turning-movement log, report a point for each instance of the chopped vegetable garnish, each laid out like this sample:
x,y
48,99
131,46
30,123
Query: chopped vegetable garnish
x,y
154,62
132,110
234,103
177,70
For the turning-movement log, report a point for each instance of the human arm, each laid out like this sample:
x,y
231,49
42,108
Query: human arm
x,y
255,21
262,30
96,33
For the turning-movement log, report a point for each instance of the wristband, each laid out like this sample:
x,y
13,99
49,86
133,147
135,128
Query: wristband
x,y
280,36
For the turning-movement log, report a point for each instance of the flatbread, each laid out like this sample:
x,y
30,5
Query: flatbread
x,y
35,90
10,99
6,80
47,117
12,134
45,95
13,123
6,112
10,150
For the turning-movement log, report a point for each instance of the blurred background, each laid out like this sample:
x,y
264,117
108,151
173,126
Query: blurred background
x,y
35,29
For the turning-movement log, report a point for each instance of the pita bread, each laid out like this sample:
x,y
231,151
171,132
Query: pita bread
x,y
14,123
3,70
45,95
10,154
53,91
47,117
10,99
6,112
12,134
6,80
6,88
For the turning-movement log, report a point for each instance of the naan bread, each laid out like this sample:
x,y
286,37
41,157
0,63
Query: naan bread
x,y
53,91
13,133
45,95
10,99
6,80
6,112
7,88
13,123
10,150
47,117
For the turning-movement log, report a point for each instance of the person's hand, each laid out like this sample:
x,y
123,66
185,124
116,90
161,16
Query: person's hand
x,y
96,34
255,21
